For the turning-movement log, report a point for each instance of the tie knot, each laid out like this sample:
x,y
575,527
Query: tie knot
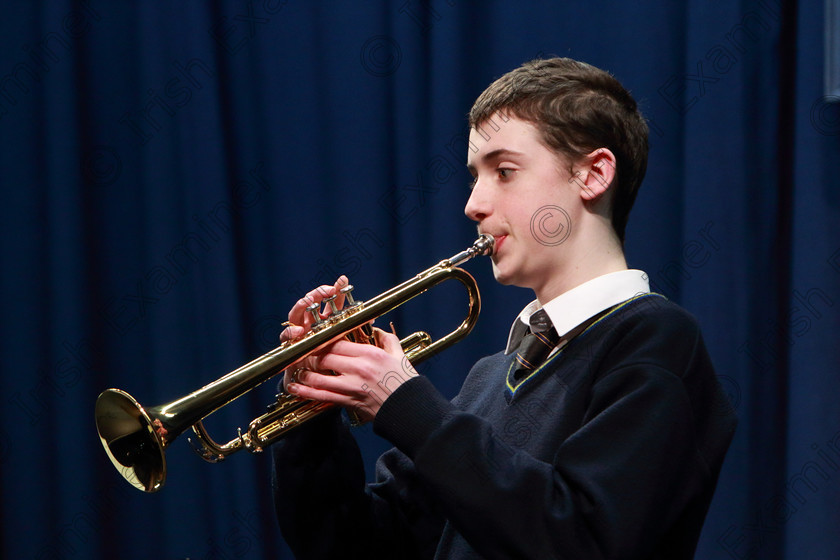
x,y
536,345
539,321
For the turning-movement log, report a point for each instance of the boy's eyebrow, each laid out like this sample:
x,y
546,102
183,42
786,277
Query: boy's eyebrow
x,y
495,154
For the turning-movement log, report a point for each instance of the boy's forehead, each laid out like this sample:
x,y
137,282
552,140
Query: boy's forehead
x,y
497,136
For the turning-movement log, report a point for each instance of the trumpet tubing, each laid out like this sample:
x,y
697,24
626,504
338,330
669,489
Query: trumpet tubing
x,y
135,438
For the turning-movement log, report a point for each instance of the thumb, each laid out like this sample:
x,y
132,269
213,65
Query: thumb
x,y
388,341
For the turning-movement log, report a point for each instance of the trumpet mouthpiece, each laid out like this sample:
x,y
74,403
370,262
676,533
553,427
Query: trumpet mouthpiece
x,y
484,244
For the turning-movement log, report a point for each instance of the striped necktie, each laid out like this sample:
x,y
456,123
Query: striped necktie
x,y
535,346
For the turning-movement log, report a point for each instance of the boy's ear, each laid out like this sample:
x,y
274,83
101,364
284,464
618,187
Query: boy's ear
x,y
596,174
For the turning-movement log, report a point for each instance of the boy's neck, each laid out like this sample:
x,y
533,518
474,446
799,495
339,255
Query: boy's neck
x,y
584,262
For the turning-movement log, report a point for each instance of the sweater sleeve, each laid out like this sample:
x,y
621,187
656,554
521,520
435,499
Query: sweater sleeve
x,y
325,509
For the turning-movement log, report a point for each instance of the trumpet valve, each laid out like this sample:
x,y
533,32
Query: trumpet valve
x,y
331,302
315,310
347,292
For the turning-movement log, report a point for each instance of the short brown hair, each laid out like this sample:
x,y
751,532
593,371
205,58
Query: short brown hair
x,y
577,108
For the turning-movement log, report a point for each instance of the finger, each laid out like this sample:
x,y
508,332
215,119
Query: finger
x,y
343,347
297,374
292,332
306,392
290,376
391,344
339,284
299,315
337,298
362,365
342,365
325,382
388,342
307,383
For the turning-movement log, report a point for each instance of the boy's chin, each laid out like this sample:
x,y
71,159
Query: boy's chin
x,y
502,277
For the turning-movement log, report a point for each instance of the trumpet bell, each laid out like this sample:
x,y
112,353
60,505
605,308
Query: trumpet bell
x,y
131,440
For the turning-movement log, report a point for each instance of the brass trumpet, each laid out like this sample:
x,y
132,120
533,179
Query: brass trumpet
x,y
135,438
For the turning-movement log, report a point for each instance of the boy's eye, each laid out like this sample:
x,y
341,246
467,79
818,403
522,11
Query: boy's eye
x,y
504,173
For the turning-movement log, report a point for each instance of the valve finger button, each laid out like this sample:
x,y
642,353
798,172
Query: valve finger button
x,y
347,291
331,302
314,309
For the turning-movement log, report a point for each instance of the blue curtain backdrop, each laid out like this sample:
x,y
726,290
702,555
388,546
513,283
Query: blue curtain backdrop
x,y
175,174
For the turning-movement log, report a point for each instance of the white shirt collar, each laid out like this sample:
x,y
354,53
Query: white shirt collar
x,y
575,306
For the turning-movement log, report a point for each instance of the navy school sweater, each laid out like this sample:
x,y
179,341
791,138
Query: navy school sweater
x,y
611,449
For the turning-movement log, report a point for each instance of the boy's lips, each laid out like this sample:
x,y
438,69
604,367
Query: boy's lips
x,y
497,242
